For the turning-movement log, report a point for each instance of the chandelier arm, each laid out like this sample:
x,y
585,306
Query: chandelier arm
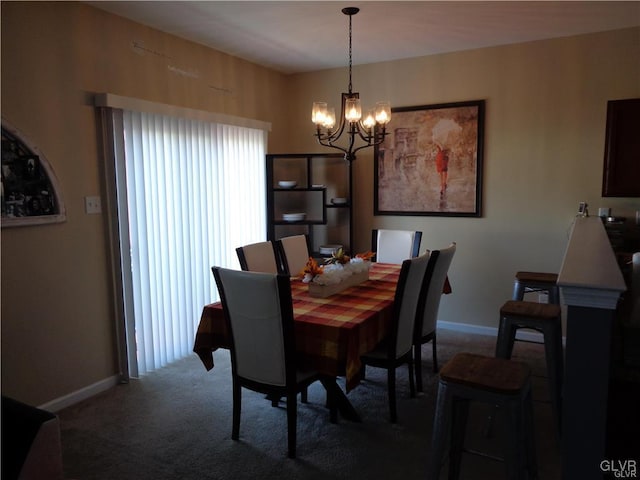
x,y
338,132
359,148
329,143
353,129
324,143
374,144
377,137
379,132
367,137
343,102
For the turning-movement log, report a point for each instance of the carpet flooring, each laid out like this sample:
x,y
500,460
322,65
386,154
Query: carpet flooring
x,y
175,423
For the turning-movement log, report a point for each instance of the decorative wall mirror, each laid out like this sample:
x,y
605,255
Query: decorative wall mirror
x,y
29,192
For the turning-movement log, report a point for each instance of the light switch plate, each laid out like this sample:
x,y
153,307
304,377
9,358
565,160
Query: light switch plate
x,y
92,205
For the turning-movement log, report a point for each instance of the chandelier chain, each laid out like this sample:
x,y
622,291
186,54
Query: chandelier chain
x,y
350,88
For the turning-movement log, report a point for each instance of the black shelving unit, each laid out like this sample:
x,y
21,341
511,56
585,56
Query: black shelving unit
x,y
319,178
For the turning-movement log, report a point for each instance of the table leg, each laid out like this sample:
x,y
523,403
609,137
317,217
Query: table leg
x,y
341,401
274,399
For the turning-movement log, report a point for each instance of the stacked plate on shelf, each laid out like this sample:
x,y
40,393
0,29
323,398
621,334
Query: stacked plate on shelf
x,y
293,217
329,249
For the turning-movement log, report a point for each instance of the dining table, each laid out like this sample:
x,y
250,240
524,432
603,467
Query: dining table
x,y
331,333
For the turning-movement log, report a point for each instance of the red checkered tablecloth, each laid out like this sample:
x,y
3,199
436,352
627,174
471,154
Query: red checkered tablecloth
x,y
332,332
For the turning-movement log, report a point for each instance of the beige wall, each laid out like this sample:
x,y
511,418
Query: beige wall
x,y
544,147
544,144
57,328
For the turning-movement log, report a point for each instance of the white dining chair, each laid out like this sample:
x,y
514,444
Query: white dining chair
x,y
294,253
263,349
427,320
258,257
395,246
396,348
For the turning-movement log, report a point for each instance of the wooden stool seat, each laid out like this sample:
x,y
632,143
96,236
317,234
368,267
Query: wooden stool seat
x,y
546,319
542,311
493,374
536,282
538,277
505,383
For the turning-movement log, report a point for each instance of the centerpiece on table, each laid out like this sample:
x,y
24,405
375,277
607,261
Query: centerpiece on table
x,y
338,273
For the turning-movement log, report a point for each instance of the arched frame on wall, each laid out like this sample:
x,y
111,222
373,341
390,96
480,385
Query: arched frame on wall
x,y
29,192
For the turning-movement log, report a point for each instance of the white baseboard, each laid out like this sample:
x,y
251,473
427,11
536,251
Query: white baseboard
x,y
467,328
527,335
107,383
79,395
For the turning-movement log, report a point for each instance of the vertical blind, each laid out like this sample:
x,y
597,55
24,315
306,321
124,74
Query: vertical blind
x,y
195,191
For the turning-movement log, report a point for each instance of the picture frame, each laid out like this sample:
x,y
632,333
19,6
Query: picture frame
x,y
430,162
29,189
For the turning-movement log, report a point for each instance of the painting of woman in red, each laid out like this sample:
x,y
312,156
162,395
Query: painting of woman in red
x,y
431,149
442,167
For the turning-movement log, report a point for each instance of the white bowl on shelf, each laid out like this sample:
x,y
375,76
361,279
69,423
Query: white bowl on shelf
x,y
293,217
329,249
339,201
287,183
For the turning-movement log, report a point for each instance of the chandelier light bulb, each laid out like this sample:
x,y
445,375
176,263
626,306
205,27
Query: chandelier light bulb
x,y
369,121
330,118
383,112
319,113
353,111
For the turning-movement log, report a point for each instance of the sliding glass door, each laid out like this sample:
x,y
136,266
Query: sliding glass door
x,y
185,194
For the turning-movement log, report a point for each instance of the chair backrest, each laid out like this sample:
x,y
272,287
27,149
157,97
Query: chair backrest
x,y
395,246
259,312
294,253
408,298
258,257
436,275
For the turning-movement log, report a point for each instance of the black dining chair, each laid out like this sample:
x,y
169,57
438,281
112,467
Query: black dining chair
x,y
259,313
396,349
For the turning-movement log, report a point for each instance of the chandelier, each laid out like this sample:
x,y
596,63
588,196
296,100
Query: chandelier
x,y
371,129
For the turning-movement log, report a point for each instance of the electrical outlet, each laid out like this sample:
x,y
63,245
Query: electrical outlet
x,y
92,205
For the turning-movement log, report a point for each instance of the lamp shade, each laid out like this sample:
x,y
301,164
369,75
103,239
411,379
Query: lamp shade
x,y
352,109
383,112
319,113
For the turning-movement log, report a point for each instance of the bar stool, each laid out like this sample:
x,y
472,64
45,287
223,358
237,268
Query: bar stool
x,y
495,381
536,282
546,319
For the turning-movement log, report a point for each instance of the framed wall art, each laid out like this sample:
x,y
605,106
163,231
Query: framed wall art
x,y
29,192
430,163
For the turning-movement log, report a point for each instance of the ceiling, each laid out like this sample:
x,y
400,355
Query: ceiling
x,y
302,36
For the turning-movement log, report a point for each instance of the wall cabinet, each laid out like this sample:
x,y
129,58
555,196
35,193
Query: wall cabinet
x,y
316,201
621,177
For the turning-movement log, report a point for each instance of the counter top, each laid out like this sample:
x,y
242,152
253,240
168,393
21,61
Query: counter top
x,y
590,275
